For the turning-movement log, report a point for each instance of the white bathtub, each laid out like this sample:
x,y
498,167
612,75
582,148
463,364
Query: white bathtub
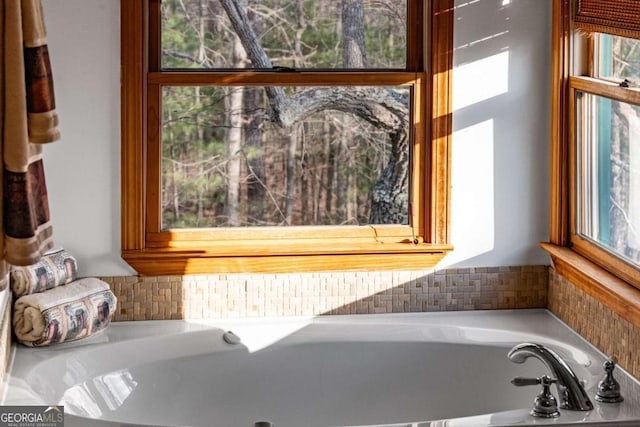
x,y
435,369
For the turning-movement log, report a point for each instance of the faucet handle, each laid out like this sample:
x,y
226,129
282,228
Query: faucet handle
x,y
608,388
545,404
522,381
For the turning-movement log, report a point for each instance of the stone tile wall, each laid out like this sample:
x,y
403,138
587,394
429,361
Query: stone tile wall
x,y
606,330
308,294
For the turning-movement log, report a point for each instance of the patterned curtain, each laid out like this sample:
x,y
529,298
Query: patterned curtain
x,y
28,120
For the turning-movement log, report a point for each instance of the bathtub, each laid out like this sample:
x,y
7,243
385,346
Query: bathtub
x,y
423,369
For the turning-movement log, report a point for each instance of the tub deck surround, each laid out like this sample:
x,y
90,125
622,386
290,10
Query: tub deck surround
x,y
396,369
311,294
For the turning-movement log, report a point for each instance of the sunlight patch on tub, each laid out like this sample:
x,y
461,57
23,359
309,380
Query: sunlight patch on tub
x,y
256,340
258,334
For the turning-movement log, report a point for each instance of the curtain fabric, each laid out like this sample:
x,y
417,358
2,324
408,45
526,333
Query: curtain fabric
x,y
28,120
619,17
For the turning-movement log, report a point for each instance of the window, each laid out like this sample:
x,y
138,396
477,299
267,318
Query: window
x,y
607,172
596,149
606,207
284,136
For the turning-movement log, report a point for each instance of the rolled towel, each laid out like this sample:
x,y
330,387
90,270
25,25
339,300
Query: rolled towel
x,y
66,313
54,269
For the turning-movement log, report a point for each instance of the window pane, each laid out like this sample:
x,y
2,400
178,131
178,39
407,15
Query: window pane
x,y
618,58
609,175
321,156
300,34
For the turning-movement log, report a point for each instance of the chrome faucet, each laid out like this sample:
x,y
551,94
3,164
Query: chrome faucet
x,y
572,395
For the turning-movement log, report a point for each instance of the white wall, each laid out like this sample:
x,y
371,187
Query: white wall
x,y
500,145
501,134
83,168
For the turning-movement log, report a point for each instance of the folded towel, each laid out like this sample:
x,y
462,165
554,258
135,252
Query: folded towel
x,y
54,269
65,313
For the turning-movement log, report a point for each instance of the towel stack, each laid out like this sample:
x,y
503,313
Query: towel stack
x,y
53,306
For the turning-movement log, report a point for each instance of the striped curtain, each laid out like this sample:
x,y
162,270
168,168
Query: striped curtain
x,y
28,120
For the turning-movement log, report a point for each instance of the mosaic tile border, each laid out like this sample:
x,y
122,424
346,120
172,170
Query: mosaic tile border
x,y
310,294
605,329
242,295
238,295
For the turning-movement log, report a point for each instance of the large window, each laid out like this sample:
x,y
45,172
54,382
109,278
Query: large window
x,y
284,135
595,198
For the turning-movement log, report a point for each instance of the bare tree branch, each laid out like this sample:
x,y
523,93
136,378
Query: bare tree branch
x,y
385,109
181,55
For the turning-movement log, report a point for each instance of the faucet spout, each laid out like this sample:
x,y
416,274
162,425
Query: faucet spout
x,y
571,393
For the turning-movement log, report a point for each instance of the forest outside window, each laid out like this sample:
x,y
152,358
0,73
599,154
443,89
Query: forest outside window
x,y
283,135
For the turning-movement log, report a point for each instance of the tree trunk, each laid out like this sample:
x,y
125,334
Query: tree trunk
x,y
175,194
174,197
253,139
234,143
291,175
292,179
385,109
354,53
256,192
352,200
342,177
390,198
201,187
330,159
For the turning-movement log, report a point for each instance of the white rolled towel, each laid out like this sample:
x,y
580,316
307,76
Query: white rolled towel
x,y
65,313
56,268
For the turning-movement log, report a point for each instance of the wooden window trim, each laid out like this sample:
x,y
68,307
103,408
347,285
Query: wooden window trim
x,y
290,240
613,292
604,277
151,252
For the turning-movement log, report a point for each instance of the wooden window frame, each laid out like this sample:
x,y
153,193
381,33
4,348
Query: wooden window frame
x,y
581,245
598,272
420,245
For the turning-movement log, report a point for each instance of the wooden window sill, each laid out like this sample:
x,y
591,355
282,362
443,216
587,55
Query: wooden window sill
x,y
176,261
613,292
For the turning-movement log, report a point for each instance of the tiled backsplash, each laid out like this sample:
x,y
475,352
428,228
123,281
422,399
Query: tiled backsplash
x,y
606,330
243,295
307,294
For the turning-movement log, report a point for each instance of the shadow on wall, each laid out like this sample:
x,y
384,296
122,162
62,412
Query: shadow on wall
x,y
501,127
312,294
